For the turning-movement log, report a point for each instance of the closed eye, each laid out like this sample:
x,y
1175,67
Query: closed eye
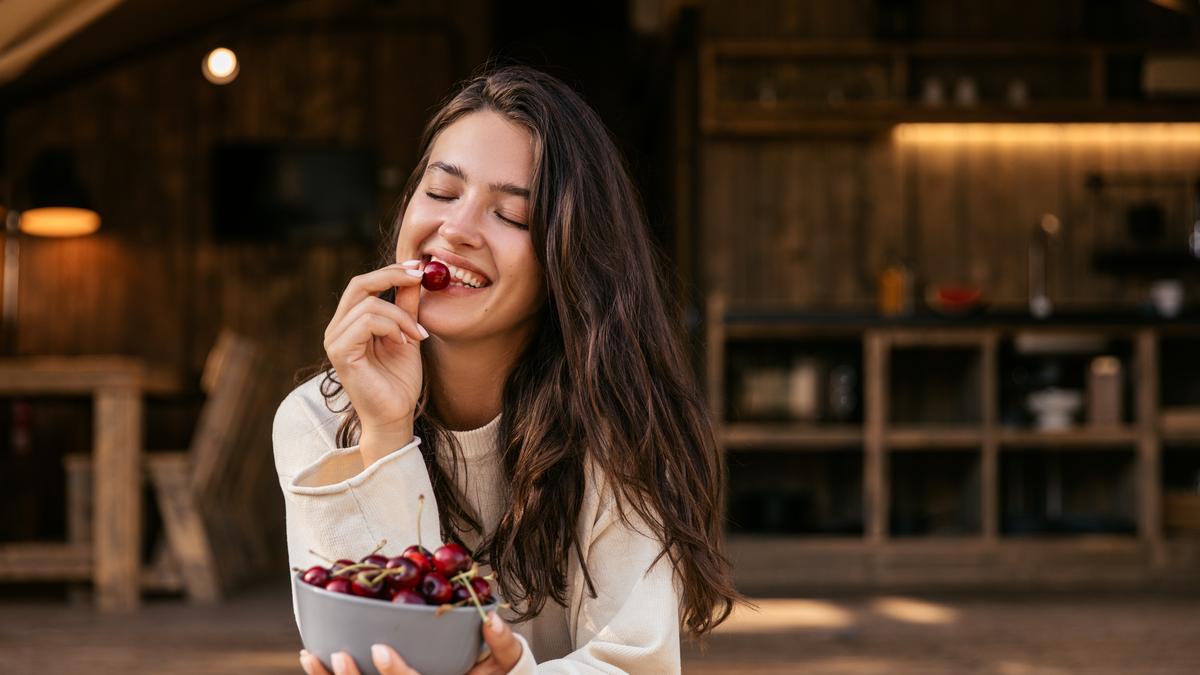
x,y
510,221
440,198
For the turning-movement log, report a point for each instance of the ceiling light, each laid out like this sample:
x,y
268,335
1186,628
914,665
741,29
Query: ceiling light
x,y
220,66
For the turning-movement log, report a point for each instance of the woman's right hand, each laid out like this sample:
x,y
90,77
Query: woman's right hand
x,y
374,346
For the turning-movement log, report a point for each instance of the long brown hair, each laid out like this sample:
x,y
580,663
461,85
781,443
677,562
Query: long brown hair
x,y
605,378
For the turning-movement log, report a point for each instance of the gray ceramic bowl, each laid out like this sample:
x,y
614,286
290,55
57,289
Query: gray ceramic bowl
x,y
433,645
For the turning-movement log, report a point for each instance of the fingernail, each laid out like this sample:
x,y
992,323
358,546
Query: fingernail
x,y
341,661
414,273
495,623
381,656
421,329
410,263
304,662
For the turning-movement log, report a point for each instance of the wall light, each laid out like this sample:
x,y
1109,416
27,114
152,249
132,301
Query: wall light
x,y
220,66
1170,133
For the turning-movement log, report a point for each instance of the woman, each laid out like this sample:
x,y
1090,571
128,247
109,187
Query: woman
x,y
544,398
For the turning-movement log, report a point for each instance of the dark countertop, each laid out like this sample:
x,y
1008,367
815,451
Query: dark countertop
x,y
1125,316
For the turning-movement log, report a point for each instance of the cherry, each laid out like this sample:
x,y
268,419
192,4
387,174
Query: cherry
x,y
338,585
366,585
407,596
420,556
436,588
436,277
340,565
460,593
376,560
402,573
451,559
483,590
316,575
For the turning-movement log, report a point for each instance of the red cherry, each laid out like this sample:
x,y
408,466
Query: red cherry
x,y
451,559
420,556
338,585
365,585
376,560
460,593
436,277
402,574
483,590
407,596
436,588
316,575
340,565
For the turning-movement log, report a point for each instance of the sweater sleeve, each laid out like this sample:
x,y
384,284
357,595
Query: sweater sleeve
x,y
632,625
333,505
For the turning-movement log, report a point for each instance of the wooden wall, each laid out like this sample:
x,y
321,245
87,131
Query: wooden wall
x,y
154,282
809,221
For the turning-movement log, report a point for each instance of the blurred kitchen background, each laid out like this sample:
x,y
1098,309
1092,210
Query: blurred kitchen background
x,y
939,261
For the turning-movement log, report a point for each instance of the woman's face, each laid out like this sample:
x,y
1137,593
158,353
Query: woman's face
x,y
470,212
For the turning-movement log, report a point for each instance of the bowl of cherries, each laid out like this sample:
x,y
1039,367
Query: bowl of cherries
x,y
428,605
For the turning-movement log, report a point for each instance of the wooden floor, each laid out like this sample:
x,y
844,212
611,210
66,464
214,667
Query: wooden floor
x,y
1011,634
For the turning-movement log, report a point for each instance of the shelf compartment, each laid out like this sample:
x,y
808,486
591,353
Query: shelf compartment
x,y
790,437
793,381
1080,437
1180,423
933,438
1181,490
935,387
1083,491
934,493
812,493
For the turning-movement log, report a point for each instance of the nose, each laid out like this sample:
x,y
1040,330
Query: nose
x,y
461,226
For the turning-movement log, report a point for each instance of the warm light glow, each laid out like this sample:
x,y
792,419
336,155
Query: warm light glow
x,y
786,615
220,66
1175,134
909,610
59,221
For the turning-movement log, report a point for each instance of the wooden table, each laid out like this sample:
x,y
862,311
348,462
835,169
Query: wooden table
x,y
117,385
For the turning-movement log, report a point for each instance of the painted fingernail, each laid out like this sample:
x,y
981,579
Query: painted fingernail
x,y
421,329
381,656
341,662
414,273
410,263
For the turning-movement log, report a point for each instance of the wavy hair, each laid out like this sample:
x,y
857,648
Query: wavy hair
x,y
605,379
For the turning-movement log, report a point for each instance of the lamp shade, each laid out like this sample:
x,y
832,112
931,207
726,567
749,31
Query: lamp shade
x,y
58,203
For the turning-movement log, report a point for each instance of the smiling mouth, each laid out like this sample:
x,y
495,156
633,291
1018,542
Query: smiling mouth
x,y
462,277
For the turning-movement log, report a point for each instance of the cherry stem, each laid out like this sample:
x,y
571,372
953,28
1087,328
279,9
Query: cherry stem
x,y
420,508
382,543
464,578
322,557
354,568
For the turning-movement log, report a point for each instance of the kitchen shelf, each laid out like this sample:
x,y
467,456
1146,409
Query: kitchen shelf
x,y
790,437
933,438
1069,438
809,87
963,493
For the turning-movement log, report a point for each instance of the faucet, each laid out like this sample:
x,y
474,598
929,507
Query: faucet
x,y
1045,238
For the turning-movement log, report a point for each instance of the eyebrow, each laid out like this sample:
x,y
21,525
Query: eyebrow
x,y
456,171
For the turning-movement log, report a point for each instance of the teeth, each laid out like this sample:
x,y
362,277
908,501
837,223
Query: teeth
x,y
467,278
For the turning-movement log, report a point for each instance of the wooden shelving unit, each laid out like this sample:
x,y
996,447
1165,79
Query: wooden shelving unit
x,y
810,87
964,541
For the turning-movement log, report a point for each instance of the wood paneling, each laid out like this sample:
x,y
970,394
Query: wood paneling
x,y
153,282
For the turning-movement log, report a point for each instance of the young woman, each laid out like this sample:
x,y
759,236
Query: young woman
x,y
544,399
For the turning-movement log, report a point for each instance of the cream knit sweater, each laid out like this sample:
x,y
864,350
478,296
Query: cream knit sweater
x,y
339,509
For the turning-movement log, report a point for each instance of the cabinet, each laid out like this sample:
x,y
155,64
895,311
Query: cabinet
x,y
933,473
812,87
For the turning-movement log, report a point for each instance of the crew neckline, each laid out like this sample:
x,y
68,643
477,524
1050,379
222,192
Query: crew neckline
x,y
476,443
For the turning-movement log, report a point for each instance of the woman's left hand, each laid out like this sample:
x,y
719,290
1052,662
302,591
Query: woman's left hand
x,y
505,652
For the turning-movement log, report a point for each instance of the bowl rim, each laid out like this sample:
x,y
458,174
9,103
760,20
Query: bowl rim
x,y
372,602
